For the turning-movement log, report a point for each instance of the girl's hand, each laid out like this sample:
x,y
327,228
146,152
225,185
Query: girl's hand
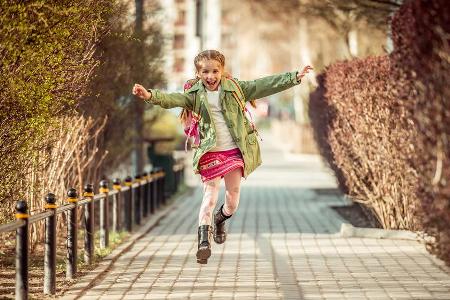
x,y
141,92
303,72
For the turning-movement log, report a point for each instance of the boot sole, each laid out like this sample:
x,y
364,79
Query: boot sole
x,y
220,239
202,255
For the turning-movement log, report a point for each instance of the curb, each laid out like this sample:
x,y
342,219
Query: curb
x,y
89,280
348,230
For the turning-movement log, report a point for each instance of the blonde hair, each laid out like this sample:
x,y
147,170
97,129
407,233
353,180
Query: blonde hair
x,y
209,54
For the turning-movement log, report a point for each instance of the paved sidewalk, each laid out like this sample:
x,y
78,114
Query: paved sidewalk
x,y
283,244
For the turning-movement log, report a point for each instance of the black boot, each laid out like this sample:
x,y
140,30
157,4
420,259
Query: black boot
x,y
204,244
220,234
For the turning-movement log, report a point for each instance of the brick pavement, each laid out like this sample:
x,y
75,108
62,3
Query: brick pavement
x,y
284,243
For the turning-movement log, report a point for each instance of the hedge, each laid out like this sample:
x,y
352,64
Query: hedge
x,y
383,124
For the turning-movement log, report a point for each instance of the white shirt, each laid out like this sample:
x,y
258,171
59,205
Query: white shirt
x,y
224,140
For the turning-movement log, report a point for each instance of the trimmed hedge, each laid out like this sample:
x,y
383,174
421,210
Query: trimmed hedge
x,y
383,124
360,128
421,35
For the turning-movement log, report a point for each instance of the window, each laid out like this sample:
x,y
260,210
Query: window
x,y
178,41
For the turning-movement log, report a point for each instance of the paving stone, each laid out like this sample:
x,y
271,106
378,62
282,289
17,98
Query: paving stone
x,y
283,243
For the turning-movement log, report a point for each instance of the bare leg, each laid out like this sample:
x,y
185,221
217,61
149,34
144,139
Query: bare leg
x,y
232,186
210,195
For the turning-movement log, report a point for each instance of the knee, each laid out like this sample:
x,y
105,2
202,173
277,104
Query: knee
x,y
233,193
212,185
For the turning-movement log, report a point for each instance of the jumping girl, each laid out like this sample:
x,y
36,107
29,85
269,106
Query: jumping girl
x,y
228,146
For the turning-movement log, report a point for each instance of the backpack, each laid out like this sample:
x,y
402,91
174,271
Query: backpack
x,y
190,119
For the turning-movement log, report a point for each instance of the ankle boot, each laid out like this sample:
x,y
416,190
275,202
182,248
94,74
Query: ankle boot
x,y
204,244
220,234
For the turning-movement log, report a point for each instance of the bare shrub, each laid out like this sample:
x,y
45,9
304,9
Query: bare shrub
x,y
71,160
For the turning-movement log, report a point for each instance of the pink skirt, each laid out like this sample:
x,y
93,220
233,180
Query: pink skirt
x,y
215,164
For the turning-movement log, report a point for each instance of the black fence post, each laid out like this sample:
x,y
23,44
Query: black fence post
x,y
104,215
22,252
128,205
177,179
137,200
158,187
163,188
89,224
153,191
148,195
144,195
50,246
117,207
72,234
182,175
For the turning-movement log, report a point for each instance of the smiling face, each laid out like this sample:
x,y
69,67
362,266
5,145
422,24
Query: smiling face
x,y
210,72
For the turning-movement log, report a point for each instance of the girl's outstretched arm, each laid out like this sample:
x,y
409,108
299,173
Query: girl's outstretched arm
x,y
266,86
165,100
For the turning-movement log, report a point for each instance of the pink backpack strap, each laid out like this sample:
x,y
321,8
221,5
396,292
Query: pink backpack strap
x,y
194,118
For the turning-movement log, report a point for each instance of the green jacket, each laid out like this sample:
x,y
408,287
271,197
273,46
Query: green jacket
x,y
240,129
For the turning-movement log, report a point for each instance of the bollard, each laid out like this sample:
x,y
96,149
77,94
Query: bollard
x,y
50,246
104,215
117,207
89,224
22,252
144,195
153,192
128,204
72,234
137,200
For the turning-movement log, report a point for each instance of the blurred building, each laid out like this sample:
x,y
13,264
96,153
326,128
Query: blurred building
x,y
190,26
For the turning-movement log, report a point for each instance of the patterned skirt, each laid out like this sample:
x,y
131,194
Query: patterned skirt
x,y
217,164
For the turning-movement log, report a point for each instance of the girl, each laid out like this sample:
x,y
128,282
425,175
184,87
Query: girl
x,y
228,146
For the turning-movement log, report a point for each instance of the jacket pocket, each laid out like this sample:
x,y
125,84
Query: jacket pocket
x,y
251,138
253,155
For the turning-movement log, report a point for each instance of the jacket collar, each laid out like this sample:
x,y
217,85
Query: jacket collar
x,y
225,83
228,85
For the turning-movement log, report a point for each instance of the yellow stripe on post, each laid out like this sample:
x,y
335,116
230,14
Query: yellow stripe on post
x,y
117,187
72,200
104,190
87,194
50,206
22,216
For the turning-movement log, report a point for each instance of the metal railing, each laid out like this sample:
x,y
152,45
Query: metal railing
x,y
131,203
